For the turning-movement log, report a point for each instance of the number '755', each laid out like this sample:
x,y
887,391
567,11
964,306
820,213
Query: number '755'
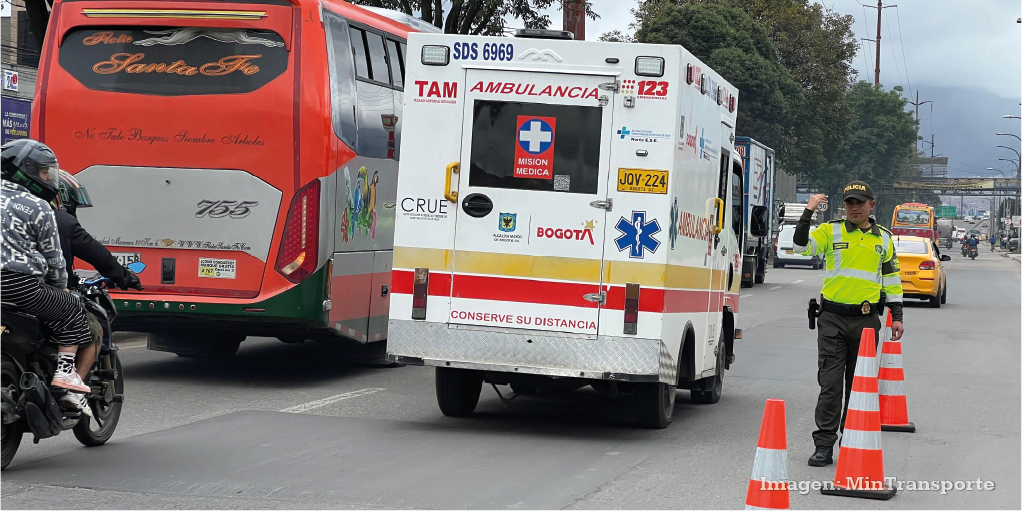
x,y
222,208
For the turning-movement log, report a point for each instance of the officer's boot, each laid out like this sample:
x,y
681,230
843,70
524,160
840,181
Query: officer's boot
x,y
822,457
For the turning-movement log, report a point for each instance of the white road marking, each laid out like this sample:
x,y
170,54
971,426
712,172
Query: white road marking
x,y
797,281
312,405
775,288
747,296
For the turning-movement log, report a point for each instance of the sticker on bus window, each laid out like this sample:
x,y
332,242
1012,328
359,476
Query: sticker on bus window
x,y
218,268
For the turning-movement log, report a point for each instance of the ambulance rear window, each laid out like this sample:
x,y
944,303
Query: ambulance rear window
x,y
531,146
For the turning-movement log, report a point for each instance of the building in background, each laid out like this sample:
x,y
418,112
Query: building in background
x,y
20,62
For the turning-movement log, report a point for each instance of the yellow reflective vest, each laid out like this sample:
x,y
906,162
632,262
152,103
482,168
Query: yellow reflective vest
x,y
859,263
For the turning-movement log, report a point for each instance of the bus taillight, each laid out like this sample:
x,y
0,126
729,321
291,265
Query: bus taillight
x,y
420,290
299,246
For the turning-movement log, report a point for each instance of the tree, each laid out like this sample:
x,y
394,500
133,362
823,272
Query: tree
x,y
816,46
476,17
880,139
737,47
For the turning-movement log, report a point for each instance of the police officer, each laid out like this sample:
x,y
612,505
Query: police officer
x,y
861,264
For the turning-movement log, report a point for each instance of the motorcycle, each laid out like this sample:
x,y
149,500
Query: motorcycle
x,y
973,252
30,405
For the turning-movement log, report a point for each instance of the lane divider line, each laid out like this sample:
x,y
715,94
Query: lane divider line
x,y
797,281
775,288
312,405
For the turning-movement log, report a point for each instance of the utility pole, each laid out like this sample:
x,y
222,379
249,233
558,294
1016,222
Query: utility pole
x,y
917,103
876,74
880,10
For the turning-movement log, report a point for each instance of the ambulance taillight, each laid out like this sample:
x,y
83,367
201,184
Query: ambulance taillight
x,y
298,256
420,290
631,308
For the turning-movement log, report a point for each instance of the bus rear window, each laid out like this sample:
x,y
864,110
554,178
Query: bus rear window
x,y
173,61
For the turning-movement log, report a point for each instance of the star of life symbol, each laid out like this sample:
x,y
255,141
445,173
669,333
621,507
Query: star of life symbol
x,y
637,235
535,136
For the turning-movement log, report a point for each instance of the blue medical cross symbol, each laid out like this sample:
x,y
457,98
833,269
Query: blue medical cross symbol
x,y
637,235
623,131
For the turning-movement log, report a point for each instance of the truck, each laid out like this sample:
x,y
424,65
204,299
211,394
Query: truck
x,y
946,231
758,162
590,226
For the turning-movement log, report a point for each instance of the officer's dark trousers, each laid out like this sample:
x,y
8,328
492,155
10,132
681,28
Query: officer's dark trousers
x,y
838,344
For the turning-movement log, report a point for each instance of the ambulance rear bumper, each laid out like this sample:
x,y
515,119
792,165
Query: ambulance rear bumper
x,y
541,353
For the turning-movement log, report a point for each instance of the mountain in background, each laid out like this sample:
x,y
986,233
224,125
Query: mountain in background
x,y
964,123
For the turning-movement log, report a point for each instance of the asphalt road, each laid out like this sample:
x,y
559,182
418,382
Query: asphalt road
x,y
294,426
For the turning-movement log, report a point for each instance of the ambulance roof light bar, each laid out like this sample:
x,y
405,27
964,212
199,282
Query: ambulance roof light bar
x,y
542,33
649,66
435,55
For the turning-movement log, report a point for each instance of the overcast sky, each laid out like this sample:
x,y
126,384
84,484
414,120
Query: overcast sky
x,y
964,55
955,43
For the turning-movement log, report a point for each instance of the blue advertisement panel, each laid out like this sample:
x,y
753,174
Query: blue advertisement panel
x,y
16,113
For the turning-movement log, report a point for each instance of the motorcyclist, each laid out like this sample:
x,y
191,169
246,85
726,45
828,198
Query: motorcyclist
x,y
974,243
34,275
76,242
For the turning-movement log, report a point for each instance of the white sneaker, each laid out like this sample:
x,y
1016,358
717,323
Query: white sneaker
x,y
69,380
78,402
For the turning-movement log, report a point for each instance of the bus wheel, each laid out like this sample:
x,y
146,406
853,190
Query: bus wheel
x,y
708,390
457,391
654,404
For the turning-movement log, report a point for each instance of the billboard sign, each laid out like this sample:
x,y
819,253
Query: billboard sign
x,y
16,113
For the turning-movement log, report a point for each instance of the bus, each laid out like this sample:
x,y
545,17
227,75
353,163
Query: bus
x,y
242,158
914,219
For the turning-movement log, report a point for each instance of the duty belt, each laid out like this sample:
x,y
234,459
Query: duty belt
x,y
863,309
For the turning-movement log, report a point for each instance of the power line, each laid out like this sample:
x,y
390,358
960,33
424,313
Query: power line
x,y
904,61
893,54
865,21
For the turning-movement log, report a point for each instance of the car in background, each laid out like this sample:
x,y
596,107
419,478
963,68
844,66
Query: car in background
x,y
1013,244
784,252
922,269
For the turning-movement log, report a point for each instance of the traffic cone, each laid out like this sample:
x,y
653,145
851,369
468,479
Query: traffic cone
x,y
768,487
893,403
860,463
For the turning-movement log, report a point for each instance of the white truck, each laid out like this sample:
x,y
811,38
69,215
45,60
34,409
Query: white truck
x,y
569,214
758,162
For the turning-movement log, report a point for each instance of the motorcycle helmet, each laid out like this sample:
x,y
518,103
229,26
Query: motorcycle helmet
x,y
30,164
71,194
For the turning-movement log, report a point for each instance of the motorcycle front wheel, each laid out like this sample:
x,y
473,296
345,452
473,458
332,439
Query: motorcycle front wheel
x,y
106,411
11,433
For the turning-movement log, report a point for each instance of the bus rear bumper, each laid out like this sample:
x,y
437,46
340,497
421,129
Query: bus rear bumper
x,y
545,353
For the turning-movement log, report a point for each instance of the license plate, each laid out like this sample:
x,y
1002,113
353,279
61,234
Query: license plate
x,y
642,181
911,272
789,252
126,258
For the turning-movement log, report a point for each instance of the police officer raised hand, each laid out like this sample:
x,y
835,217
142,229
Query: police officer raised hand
x,y
862,266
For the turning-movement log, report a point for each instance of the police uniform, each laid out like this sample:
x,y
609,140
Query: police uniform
x,y
861,263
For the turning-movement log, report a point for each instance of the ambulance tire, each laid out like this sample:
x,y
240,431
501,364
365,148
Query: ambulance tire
x,y
457,391
714,385
654,404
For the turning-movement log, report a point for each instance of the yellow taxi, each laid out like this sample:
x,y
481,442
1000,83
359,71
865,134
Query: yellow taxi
x,y
922,269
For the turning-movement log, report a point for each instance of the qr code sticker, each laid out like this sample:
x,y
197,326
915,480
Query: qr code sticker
x,y
562,183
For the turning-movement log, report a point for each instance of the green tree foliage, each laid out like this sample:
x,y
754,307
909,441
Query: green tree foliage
x,y
813,44
740,49
476,17
880,138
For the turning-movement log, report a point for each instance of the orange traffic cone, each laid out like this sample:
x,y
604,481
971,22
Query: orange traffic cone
x,y
860,463
893,403
768,487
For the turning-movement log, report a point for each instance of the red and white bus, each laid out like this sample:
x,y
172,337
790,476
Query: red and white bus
x,y
241,155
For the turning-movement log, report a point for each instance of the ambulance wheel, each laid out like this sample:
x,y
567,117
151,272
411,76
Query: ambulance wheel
x,y
457,391
713,385
654,404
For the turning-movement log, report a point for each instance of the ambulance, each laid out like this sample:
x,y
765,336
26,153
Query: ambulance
x,y
568,214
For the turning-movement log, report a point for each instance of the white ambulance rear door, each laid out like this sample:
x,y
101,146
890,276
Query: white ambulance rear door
x,y
529,233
